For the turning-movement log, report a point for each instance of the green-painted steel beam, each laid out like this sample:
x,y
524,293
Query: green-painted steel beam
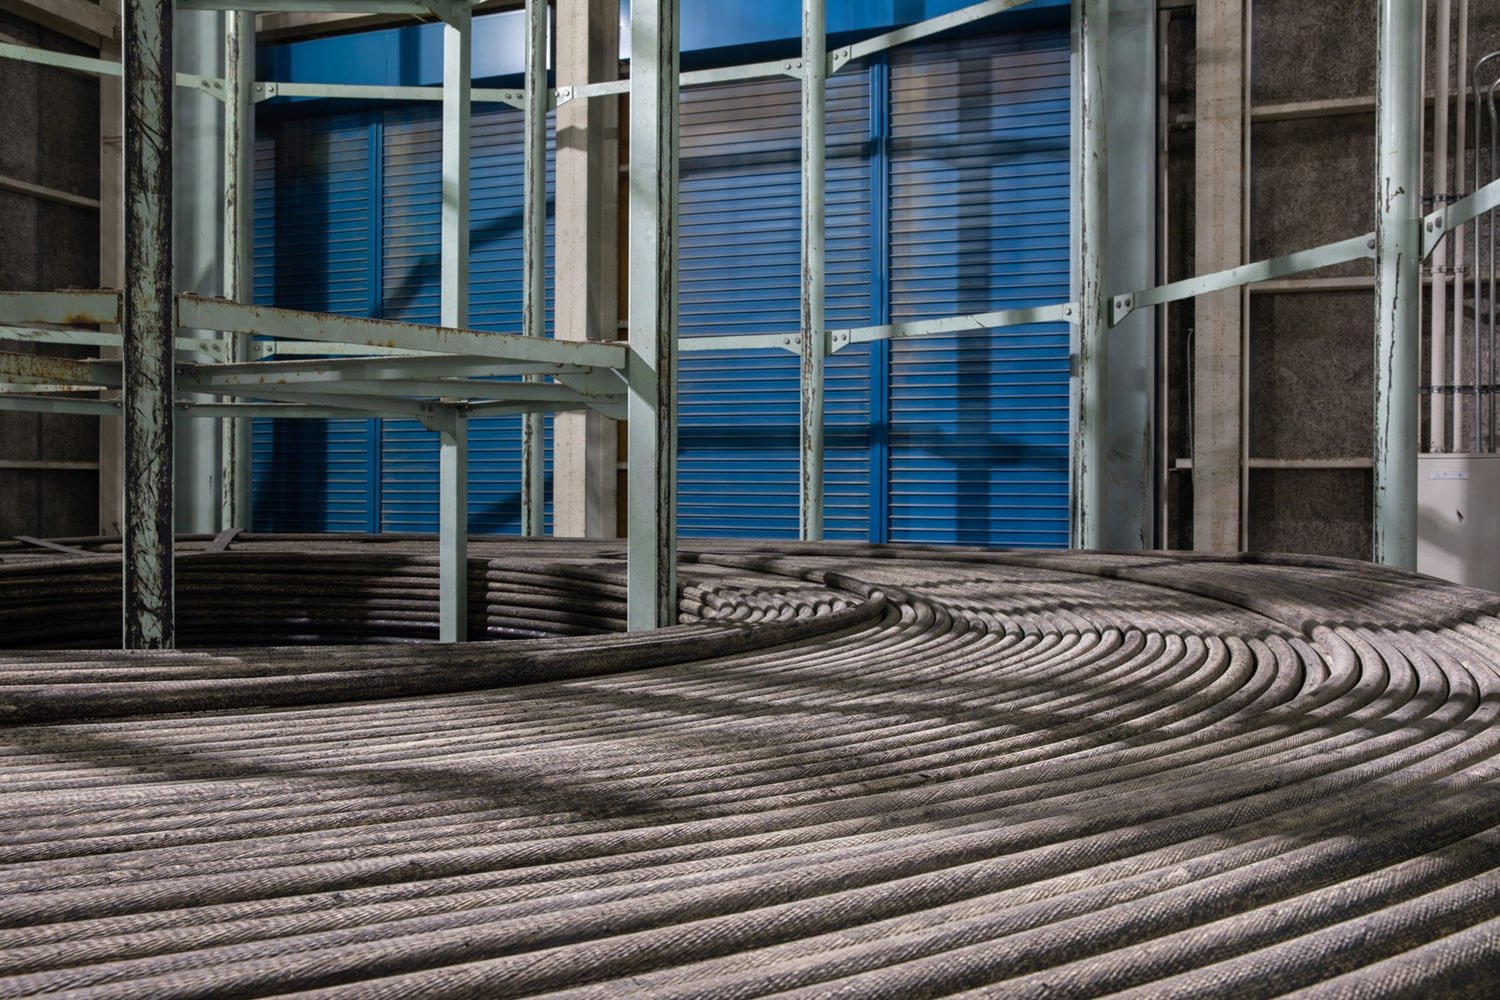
x,y
60,308
1438,224
842,57
406,366
652,372
976,323
11,403
367,92
814,346
452,426
198,312
1355,248
1090,419
239,249
212,86
1398,280
534,257
694,78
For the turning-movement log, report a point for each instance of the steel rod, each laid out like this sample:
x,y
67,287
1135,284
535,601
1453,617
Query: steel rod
x,y
239,242
148,325
814,336
453,526
1490,338
534,259
1398,242
453,445
652,366
1460,147
1090,201
1477,444
1442,189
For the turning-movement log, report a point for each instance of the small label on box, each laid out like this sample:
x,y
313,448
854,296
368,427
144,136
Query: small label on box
x,y
1448,475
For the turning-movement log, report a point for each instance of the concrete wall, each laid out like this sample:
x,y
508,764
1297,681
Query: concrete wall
x,y
51,127
1311,353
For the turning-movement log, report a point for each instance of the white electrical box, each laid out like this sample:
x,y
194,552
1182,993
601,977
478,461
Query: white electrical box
x,y
1458,518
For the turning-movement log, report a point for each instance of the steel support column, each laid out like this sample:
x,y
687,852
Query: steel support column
x,y
1091,222
1398,255
148,325
652,361
239,242
453,500
814,349
453,525
534,259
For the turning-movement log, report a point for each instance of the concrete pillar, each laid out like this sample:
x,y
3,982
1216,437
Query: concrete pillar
x,y
586,222
1218,327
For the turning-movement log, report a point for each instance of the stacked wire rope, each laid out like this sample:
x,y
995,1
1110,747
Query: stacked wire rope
x,y
852,771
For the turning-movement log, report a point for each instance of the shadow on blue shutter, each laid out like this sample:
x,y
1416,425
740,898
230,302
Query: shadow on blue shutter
x,y
411,292
979,221
312,240
740,273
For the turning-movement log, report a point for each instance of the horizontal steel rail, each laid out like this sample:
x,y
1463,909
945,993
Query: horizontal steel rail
x,y
1276,267
211,85
197,312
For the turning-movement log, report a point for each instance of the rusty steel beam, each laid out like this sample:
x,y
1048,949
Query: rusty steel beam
x,y
148,325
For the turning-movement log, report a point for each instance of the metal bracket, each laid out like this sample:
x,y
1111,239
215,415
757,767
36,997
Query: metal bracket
x,y
441,416
1436,225
792,67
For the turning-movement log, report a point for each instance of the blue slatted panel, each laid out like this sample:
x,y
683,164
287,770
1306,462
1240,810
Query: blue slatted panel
x,y
312,242
411,292
740,273
979,221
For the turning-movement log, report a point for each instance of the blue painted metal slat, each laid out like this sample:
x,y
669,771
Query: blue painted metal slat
x,y
411,249
739,250
313,221
979,221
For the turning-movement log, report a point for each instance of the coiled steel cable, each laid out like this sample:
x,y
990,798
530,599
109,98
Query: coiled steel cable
x,y
851,771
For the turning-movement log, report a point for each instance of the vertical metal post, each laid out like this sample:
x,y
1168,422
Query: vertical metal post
x,y
1442,189
453,525
453,520
149,325
1460,146
1398,255
239,241
1091,219
652,361
111,275
534,258
814,347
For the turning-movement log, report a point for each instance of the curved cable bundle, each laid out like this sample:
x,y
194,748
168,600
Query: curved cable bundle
x,y
852,771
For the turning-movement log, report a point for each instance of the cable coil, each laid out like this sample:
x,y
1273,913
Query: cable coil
x,y
851,771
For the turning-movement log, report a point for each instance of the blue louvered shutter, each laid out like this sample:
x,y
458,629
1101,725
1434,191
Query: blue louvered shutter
x,y
312,251
739,249
411,292
979,221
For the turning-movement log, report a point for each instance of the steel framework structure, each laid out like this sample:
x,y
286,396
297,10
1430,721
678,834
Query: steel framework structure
x,y
440,374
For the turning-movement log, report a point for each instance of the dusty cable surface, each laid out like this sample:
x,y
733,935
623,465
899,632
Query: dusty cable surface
x,y
852,771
